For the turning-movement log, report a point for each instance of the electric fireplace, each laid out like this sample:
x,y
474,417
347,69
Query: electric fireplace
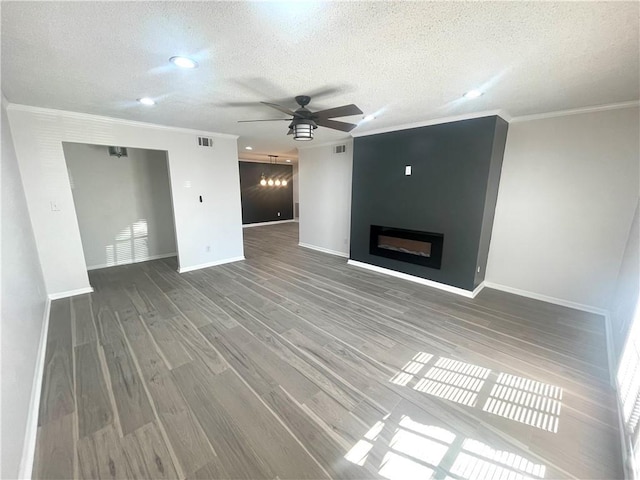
x,y
421,248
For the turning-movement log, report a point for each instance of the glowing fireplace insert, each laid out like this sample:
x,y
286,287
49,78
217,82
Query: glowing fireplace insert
x,y
421,248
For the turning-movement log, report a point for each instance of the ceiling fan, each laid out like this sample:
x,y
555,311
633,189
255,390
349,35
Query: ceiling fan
x,y
304,121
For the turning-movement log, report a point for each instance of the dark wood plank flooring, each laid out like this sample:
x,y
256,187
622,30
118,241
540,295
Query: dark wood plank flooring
x,y
292,364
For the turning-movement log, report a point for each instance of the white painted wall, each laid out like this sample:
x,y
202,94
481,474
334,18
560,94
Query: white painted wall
x,y
325,197
123,204
193,170
23,312
625,300
568,192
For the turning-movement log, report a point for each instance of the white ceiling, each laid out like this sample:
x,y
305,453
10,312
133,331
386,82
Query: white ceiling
x,y
403,61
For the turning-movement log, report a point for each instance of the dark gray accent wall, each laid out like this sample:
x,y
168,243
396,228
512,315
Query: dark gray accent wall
x,y
452,190
262,204
491,198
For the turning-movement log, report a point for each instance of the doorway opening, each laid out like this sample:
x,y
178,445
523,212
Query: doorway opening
x,y
123,203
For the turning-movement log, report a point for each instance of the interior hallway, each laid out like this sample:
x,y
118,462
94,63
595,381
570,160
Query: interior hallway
x,y
292,364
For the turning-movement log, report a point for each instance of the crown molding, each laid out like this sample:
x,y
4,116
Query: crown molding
x,y
436,121
576,111
113,120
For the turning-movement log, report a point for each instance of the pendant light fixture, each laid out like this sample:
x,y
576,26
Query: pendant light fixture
x,y
271,180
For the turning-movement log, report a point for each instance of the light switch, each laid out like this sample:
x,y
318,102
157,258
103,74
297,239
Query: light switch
x,y
407,170
54,206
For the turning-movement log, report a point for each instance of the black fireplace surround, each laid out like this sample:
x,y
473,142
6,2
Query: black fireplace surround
x,y
452,189
421,248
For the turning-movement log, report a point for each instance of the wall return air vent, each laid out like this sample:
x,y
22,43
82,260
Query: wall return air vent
x,y
339,149
205,141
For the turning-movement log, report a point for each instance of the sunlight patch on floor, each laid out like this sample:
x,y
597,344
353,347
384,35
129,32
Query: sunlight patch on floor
x,y
453,380
422,451
478,460
411,369
516,398
526,401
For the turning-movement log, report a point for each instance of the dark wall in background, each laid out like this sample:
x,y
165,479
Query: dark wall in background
x,y
452,190
262,204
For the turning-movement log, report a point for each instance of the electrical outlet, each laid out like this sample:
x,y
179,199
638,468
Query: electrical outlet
x,y
208,248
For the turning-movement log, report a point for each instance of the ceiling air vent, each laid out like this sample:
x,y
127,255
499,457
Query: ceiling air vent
x,y
205,141
339,148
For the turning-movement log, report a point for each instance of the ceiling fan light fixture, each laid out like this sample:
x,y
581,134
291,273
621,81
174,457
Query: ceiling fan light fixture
x,y
303,130
304,121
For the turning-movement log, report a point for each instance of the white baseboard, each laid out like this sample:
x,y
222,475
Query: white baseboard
x,y
210,264
478,289
324,250
546,298
31,432
70,293
420,280
129,262
260,224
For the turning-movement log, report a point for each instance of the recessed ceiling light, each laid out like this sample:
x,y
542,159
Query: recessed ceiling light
x,y
183,62
369,118
147,101
248,148
473,94
288,161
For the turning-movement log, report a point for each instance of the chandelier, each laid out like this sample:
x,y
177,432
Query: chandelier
x,y
271,180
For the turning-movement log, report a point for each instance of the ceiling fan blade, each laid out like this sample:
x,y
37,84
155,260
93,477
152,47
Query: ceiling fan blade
x,y
343,111
267,120
280,108
342,126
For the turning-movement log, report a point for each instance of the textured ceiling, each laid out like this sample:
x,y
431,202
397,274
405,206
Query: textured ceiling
x,y
403,61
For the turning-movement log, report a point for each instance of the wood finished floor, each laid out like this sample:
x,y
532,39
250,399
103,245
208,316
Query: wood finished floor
x,y
292,364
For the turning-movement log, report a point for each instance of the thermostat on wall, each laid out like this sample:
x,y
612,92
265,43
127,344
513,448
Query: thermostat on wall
x,y
407,170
